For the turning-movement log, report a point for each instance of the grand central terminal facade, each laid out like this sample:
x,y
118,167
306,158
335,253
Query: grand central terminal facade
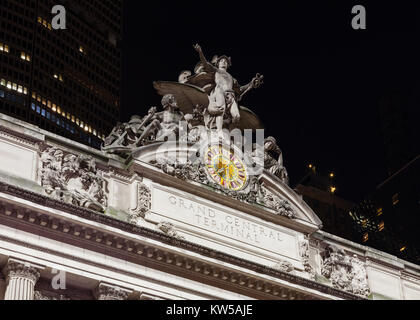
x,y
154,218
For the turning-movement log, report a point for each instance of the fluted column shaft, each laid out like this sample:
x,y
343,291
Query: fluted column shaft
x,y
21,278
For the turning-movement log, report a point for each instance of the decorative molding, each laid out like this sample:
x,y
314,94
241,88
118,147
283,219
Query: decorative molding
x,y
170,230
19,137
109,292
101,238
41,296
284,266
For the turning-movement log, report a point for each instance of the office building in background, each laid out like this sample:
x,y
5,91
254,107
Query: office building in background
x,y
65,81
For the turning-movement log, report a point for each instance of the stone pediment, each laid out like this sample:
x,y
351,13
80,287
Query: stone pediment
x,y
265,196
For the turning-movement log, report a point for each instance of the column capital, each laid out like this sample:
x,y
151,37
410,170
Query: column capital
x,y
23,269
107,291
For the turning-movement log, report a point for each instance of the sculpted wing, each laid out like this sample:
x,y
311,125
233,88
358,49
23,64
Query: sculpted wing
x,y
186,95
203,80
249,120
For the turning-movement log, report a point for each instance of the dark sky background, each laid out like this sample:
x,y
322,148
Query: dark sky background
x,y
323,80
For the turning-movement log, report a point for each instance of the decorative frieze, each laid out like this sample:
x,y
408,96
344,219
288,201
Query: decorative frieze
x,y
345,272
73,179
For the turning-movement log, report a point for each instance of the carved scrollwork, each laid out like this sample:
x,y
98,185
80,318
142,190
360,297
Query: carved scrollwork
x,y
144,203
304,254
73,179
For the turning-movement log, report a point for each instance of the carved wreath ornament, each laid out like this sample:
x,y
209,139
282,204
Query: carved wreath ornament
x,y
73,179
345,272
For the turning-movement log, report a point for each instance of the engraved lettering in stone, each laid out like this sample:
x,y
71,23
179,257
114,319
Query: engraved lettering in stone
x,y
223,223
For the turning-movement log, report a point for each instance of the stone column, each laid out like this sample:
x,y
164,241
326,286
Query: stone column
x,y
109,292
21,278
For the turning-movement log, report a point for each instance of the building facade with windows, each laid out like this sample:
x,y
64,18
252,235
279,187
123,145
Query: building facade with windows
x,y
65,81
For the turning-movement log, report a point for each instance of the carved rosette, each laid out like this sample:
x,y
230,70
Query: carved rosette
x,y
345,272
109,292
72,179
144,203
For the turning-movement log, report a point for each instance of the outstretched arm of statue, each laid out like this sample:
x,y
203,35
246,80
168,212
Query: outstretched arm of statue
x,y
203,59
207,65
256,82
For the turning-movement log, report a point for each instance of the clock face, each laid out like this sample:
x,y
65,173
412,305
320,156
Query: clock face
x,y
225,168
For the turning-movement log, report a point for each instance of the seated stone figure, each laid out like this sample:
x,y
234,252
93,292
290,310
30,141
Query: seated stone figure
x,y
154,127
273,159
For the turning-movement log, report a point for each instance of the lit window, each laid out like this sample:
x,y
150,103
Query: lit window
x,y
20,89
25,91
403,248
77,121
365,237
34,95
379,211
73,119
332,175
39,19
333,190
381,226
81,49
395,199
6,48
364,223
54,107
44,101
14,86
58,110
9,85
49,104
68,116
3,82
55,76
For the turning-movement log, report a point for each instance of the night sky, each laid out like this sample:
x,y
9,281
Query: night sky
x,y
323,80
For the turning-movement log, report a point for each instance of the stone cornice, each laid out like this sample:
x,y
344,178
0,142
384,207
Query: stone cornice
x,y
20,137
155,254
